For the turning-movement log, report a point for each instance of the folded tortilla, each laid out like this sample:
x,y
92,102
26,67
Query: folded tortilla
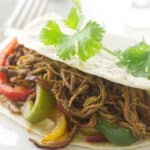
x,y
102,65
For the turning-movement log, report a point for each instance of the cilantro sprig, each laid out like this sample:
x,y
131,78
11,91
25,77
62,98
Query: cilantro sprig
x,y
136,59
85,43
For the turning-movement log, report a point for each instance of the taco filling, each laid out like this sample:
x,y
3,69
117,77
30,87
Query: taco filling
x,y
37,87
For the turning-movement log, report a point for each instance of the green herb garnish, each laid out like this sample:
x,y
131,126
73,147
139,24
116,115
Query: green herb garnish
x,y
51,34
75,16
136,60
77,3
84,43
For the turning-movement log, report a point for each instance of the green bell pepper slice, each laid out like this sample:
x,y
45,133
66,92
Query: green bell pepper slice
x,y
41,108
115,134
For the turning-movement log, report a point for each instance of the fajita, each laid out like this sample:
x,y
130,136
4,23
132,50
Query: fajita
x,y
93,103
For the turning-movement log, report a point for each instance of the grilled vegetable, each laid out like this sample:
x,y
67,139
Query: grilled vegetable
x,y
59,129
13,93
88,131
97,138
60,142
115,134
41,109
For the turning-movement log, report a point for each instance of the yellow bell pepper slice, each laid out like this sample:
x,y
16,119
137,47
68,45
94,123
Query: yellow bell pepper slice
x,y
59,130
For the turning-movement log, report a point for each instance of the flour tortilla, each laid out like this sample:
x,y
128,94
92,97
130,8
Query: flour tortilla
x,y
102,65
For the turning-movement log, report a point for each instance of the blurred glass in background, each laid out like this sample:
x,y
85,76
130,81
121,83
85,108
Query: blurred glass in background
x,y
123,17
138,14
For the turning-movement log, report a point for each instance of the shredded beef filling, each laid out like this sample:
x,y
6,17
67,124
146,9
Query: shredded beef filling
x,y
80,95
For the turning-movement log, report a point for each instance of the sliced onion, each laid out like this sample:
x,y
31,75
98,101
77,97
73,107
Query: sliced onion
x,y
59,143
41,82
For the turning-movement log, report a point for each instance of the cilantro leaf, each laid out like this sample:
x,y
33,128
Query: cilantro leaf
x,y
51,34
67,48
73,18
85,43
77,4
89,40
136,60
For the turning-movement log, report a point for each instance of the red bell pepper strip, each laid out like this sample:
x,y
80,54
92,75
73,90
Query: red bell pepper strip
x,y
13,93
3,55
7,51
3,78
96,138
